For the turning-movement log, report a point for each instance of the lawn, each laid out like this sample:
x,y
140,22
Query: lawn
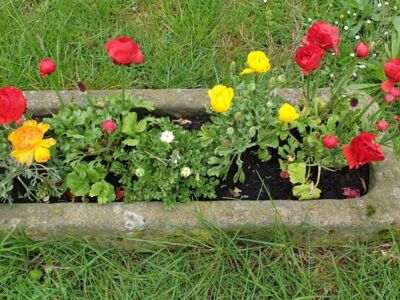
x,y
190,44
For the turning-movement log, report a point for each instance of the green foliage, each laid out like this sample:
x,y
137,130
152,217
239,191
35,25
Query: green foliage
x,y
153,169
305,189
104,192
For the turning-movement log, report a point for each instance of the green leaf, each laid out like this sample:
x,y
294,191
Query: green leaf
x,y
140,103
129,123
77,186
104,192
141,126
297,172
306,191
131,142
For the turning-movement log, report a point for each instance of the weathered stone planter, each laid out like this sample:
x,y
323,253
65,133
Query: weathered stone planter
x,y
323,222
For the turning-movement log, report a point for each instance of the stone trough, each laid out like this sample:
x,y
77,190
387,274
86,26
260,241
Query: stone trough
x,y
138,225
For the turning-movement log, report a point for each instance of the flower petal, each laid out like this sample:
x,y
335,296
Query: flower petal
x,y
47,143
30,123
387,85
43,127
42,154
23,156
247,71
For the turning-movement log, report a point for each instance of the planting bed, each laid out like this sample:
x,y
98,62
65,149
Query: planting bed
x,y
132,225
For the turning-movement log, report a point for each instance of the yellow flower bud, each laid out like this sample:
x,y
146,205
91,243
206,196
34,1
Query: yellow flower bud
x,y
287,113
257,62
220,98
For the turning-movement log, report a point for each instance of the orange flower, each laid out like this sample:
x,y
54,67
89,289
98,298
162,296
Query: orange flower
x,y
28,143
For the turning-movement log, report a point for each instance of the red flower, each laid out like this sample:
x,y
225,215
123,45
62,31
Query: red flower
x,y
124,51
330,141
389,98
119,193
309,57
351,193
362,150
361,50
109,126
382,125
324,36
397,118
12,105
392,69
47,66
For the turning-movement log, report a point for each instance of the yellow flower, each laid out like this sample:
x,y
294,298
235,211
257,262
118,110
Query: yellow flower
x,y
220,98
258,62
28,143
287,113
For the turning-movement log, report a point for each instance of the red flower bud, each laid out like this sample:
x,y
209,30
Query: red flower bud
x,y
382,125
361,50
397,118
284,174
119,193
389,98
81,86
330,141
47,66
109,126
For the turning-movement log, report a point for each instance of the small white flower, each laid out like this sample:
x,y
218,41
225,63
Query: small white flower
x,y
354,14
354,74
309,19
386,3
346,27
336,22
139,172
369,21
394,7
352,54
331,75
357,37
167,137
386,33
333,53
348,12
379,4
373,55
265,1
186,172
362,66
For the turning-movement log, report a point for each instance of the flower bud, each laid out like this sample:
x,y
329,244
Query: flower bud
x,y
230,130
139,172
361,50
47,66
186,172
252,131
100,104
330,141
251,87
237,116
109,126
382,125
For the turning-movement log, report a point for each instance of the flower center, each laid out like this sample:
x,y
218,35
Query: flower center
x,y
28,137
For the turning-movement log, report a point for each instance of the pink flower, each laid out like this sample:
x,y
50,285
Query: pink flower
x,y
351,193
361,50
389,98
382,125
330,141
109,126
47,66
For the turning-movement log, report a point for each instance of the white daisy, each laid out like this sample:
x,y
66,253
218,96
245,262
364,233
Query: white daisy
x,y
167,137
186,172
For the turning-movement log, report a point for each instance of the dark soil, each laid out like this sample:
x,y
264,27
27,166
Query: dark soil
x,y
265,176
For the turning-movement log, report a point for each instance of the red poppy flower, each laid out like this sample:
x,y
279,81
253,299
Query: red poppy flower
x,y
362,150
324,36
12,105
123,51
309,57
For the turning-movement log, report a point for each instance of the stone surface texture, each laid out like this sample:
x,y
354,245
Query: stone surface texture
x,y
138,225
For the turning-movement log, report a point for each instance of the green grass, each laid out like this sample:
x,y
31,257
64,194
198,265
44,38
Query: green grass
x,y
224,268
187,44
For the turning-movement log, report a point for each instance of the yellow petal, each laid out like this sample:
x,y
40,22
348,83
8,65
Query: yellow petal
x,y
247,71
42,154
43,127
47,143
23,156
30,123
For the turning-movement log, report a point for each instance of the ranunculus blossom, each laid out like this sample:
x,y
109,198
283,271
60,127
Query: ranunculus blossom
x,y
389,98
12,105
47,66
309,57
392,69
382,125
123,51
362,150
109,126
28,143
287,113
361,50
167,137
330,141
220,98
258,62
324,36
